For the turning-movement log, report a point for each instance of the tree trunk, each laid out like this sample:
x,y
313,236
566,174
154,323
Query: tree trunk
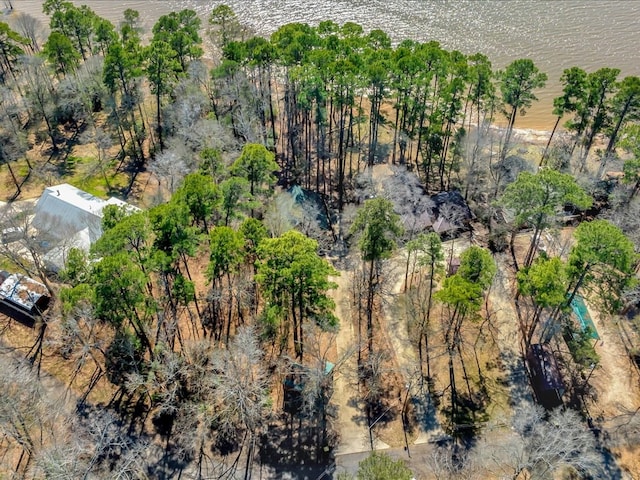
x,y
546,148
370,297
614,134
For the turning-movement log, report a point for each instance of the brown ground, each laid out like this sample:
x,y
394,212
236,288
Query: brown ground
x,y
616,381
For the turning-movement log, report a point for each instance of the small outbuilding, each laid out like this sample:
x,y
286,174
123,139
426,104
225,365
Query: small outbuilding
x,y
545,376
454,265
23,294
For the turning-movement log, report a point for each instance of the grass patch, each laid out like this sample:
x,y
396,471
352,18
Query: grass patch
x,y
22,168
9,265
96,185
85,174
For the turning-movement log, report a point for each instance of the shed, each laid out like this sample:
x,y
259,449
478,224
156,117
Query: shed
x,y
545,376
23,294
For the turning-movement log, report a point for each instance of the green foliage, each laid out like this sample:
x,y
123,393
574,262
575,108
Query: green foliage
x,y
517,83
75,23
121,66
173,234
201,197
546,280
294,278
257,165
631,170
254,233
11,44
602,260
112,215
537,199
226,251
592,115
130,28
380,466
625,104
460,294
105,34
183,290
574,81
119,288
61,53
179,30
131,233
293,42
599,242
211,162
161,67
428,248
76,269
581,347
378,227
477,266
235,198
81,294
630,141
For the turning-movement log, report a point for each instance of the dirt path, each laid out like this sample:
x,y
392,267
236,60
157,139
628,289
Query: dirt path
x,y
352,423
615,378
507,339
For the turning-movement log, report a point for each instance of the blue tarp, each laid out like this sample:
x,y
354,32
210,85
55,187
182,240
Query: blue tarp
x,y
580,309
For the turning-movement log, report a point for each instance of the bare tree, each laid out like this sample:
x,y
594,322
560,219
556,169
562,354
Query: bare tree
x,y
169,167
241,391
28,248
40,94
30,28
410,200
31,419
543,446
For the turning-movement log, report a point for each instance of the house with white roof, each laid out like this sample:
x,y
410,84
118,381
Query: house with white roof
x,y
67,217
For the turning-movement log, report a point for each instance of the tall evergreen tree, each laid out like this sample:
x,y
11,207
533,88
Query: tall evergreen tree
x,y
517,83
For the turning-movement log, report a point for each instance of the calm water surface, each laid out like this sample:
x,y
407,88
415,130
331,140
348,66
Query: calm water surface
x,y
554,34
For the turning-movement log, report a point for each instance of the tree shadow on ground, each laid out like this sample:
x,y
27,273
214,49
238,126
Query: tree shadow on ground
x,y
466,422
517,378
293,440
423,409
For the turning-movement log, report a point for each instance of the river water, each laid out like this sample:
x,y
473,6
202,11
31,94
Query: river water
x,y
555,34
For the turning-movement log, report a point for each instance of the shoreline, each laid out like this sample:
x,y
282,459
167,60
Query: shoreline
x,y
566,35
538,119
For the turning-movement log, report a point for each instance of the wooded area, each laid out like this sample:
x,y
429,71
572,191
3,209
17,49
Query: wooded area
x,y
313,204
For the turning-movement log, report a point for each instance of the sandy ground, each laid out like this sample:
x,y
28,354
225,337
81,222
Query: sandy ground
x,y
354,434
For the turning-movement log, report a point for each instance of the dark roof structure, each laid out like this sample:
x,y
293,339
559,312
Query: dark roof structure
x,y
545,376
451,212
23,294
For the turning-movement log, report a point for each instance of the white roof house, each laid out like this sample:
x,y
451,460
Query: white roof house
x,y
70,217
